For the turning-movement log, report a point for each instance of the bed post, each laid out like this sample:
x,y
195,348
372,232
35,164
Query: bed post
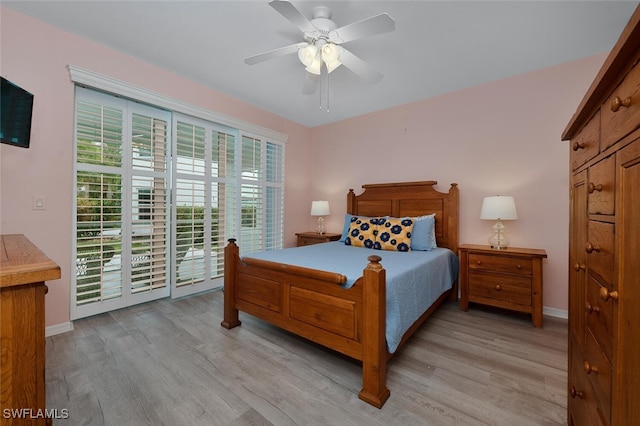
x,y
453,221
351,202
231,254
374,346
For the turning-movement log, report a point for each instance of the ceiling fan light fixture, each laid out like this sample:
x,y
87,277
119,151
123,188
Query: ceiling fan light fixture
x,y
330,53
314,66
331,56
307,55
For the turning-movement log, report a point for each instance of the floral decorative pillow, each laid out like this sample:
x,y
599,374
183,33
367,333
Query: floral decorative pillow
x,y
362,232
394,234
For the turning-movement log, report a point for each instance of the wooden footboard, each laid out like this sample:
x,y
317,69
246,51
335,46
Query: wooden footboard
x,y
312,304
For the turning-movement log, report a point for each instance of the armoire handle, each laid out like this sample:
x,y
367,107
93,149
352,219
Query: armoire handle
x,y
593,187
589,247
588,368
617,103
605,294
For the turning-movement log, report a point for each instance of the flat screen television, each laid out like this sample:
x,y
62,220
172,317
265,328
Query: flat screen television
x,y
16,108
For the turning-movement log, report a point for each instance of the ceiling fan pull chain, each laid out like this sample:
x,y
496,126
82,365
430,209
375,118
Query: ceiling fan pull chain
x,y
320,84
327,97
324,85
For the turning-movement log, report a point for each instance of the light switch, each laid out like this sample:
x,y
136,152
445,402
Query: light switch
x,y
39,203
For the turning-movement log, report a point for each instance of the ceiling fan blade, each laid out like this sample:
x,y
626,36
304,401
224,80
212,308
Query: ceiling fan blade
x,y
275,53
359,67
293,15
378,24
310,83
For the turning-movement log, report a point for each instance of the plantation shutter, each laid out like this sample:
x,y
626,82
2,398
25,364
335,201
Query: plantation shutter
x,y
149,203
274,200
223,194
190,204
121,234
204,182
99,135
158,194
261,194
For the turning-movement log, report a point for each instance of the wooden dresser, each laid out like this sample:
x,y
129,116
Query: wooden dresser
x,y
604,272
23,271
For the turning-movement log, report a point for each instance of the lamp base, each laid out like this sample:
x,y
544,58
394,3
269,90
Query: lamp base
x,y
320,225
498,241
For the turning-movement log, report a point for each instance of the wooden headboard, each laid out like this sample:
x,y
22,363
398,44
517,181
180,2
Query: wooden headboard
x,y
411,199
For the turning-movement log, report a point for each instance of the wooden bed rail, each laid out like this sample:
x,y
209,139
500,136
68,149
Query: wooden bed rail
x,y
297,270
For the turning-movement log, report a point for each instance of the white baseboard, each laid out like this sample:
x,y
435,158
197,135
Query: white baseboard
x,y
52,330
554,312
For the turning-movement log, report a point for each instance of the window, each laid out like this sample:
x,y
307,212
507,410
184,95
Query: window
x,y
158,194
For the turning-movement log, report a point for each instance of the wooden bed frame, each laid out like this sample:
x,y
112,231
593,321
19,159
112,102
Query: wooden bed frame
x,y
312,304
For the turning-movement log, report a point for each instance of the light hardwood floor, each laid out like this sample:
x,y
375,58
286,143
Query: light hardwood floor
x,y
170,363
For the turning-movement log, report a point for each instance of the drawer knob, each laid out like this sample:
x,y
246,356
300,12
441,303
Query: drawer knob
x,y
617,103
578,145
579,267
591,248
592,187
519,266
591,309
478,262
606,294
576,393
588,368
498,287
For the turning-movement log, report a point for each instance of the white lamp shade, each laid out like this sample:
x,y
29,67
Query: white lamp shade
x,y
320,208
499,207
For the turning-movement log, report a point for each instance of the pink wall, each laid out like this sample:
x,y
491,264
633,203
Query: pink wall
x,y
498,138
502,137
35,56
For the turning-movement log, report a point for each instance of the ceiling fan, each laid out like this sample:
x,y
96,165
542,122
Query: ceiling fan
x,y
321,52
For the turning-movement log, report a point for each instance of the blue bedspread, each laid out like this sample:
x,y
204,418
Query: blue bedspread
x,y
414,279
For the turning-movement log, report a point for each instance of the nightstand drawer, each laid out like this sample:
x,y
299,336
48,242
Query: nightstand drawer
x,y
511,265
495,288
307,241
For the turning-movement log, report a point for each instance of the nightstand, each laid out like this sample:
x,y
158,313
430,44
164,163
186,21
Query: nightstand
x,y
308,238
509,278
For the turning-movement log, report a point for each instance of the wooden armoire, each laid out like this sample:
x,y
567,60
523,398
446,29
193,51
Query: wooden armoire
x,y
604,242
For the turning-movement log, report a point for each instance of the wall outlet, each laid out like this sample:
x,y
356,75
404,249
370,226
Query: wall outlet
x,y
39,202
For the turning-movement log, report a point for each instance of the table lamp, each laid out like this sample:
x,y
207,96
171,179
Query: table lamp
x,y
498,208
320,209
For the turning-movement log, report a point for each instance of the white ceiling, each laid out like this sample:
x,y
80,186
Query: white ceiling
x,y
437,47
